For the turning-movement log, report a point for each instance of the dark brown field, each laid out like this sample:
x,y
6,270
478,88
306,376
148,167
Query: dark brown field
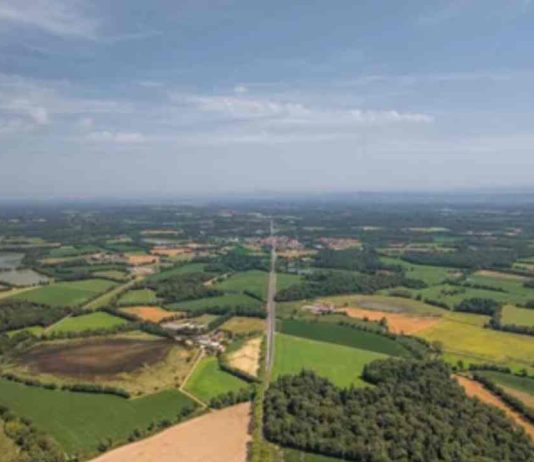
x,y
95,357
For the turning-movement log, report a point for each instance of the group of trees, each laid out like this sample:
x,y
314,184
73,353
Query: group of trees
x,y
483,257
364,261
180,287
238,260
415,412
477,305
16,314
233,397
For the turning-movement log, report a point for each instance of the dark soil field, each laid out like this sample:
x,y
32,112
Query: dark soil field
x,y
95,357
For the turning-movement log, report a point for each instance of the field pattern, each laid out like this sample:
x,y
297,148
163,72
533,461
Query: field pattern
x,y
99,320
254,282
138,297
223,301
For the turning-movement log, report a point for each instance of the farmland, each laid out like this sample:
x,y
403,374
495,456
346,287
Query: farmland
x,y
149,313
80,421
209,381
243,325
86,322
254,282
227,301
138,297
383,303
341,364
247,357
519,316
66,293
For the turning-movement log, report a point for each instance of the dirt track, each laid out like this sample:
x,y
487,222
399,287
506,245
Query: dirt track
x,y
219,436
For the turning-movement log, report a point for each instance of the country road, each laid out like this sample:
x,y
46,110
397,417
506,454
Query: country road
x,y
271,309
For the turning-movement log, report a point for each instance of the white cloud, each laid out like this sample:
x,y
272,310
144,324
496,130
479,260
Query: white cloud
x,y
116,137
57,17
240,89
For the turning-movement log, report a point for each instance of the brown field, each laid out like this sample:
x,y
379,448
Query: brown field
x,y
95,356
474,389
150,313
136,260
243,325
247,358
398,323
170,251
295,253
502,276
220,436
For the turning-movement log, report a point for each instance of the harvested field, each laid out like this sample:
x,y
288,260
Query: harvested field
x,y
398,323
150,313
95,356
474,389
136,260
243,325
502,276
247,358
226,431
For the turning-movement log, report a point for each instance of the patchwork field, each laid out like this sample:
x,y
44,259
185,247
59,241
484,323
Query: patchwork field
x,y
72,293
138,297
520,387
343,335
519,316
224,301
81,421
383,303
431,275
187,268
22,277
239,325
94,357
247,358
119,276
86,322
208,381
251,281
150,313
398,323
341,364
225,431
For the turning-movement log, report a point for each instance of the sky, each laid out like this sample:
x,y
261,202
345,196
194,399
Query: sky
x,y
129,98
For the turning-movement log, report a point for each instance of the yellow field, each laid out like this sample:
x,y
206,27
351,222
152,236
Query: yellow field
x,y
243,325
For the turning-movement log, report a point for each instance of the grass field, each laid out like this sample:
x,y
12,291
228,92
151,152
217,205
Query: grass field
x,y
71,293
116,275
80,421
85,322
341,364
138,297
226,301
187,268
35,330
284,280
343,335
464,334
292,455
209,381
520,316
252,281
431,275
243,325
523,384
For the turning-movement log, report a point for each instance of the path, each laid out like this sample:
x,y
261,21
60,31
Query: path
x,y
271,309
189,374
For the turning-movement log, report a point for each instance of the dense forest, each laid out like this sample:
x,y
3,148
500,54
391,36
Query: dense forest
x,y
414,413
18,314
180,287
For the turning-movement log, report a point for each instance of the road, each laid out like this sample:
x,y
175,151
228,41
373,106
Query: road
x,y
271,309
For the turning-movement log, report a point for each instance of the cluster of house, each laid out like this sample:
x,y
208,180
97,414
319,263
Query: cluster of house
x,y
320,308
191,333
281,242
336,243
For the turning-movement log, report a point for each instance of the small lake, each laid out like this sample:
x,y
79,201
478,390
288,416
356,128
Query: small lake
x,y
10,260
25,277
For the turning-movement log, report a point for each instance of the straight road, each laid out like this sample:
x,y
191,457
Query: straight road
x,y
271,309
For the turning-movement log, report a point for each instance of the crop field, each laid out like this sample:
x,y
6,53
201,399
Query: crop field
x,y
138,297
150,313
22,277
35,330
209,381
243,325
72,293
116,275
247,357
523,384
99,320
519,316
80,421
464,334
383,303
251,281
94,357
341,364
431,275
343,335
228,301
284,280
187,268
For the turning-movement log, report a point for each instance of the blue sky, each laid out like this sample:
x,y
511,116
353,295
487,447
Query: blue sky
x,y
173,97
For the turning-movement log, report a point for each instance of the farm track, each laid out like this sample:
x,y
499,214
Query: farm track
x,y
184,383
94,304
271,310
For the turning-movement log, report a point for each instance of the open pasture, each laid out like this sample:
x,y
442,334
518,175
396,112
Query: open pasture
x,y
72,293
81,421
341,364
343,335
119,276
181,269
94,357
383,303
228,301
431,275
22,277
149,313
247,357
208,380
240,325
519,316
138,297
92,321
254,282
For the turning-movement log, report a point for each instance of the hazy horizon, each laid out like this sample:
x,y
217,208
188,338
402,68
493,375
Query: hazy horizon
x,y
227,97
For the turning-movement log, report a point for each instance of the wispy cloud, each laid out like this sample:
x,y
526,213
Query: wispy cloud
x,y
57,17
117,137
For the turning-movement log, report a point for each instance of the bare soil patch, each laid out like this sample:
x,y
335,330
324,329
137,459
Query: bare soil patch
x,y
219,436
474,389
136,260
502,276
398,323
150,313
95,357
247,358
170,251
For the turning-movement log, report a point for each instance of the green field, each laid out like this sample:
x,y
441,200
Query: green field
x,y
431,275
453,295
284,280
71,293
463,334
292,455
85,322
252,281
343,335
116,275
35,330
519,316
69,251
523,384
226,301
138,297
209,381
80,421
341,364
181,269
384,303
